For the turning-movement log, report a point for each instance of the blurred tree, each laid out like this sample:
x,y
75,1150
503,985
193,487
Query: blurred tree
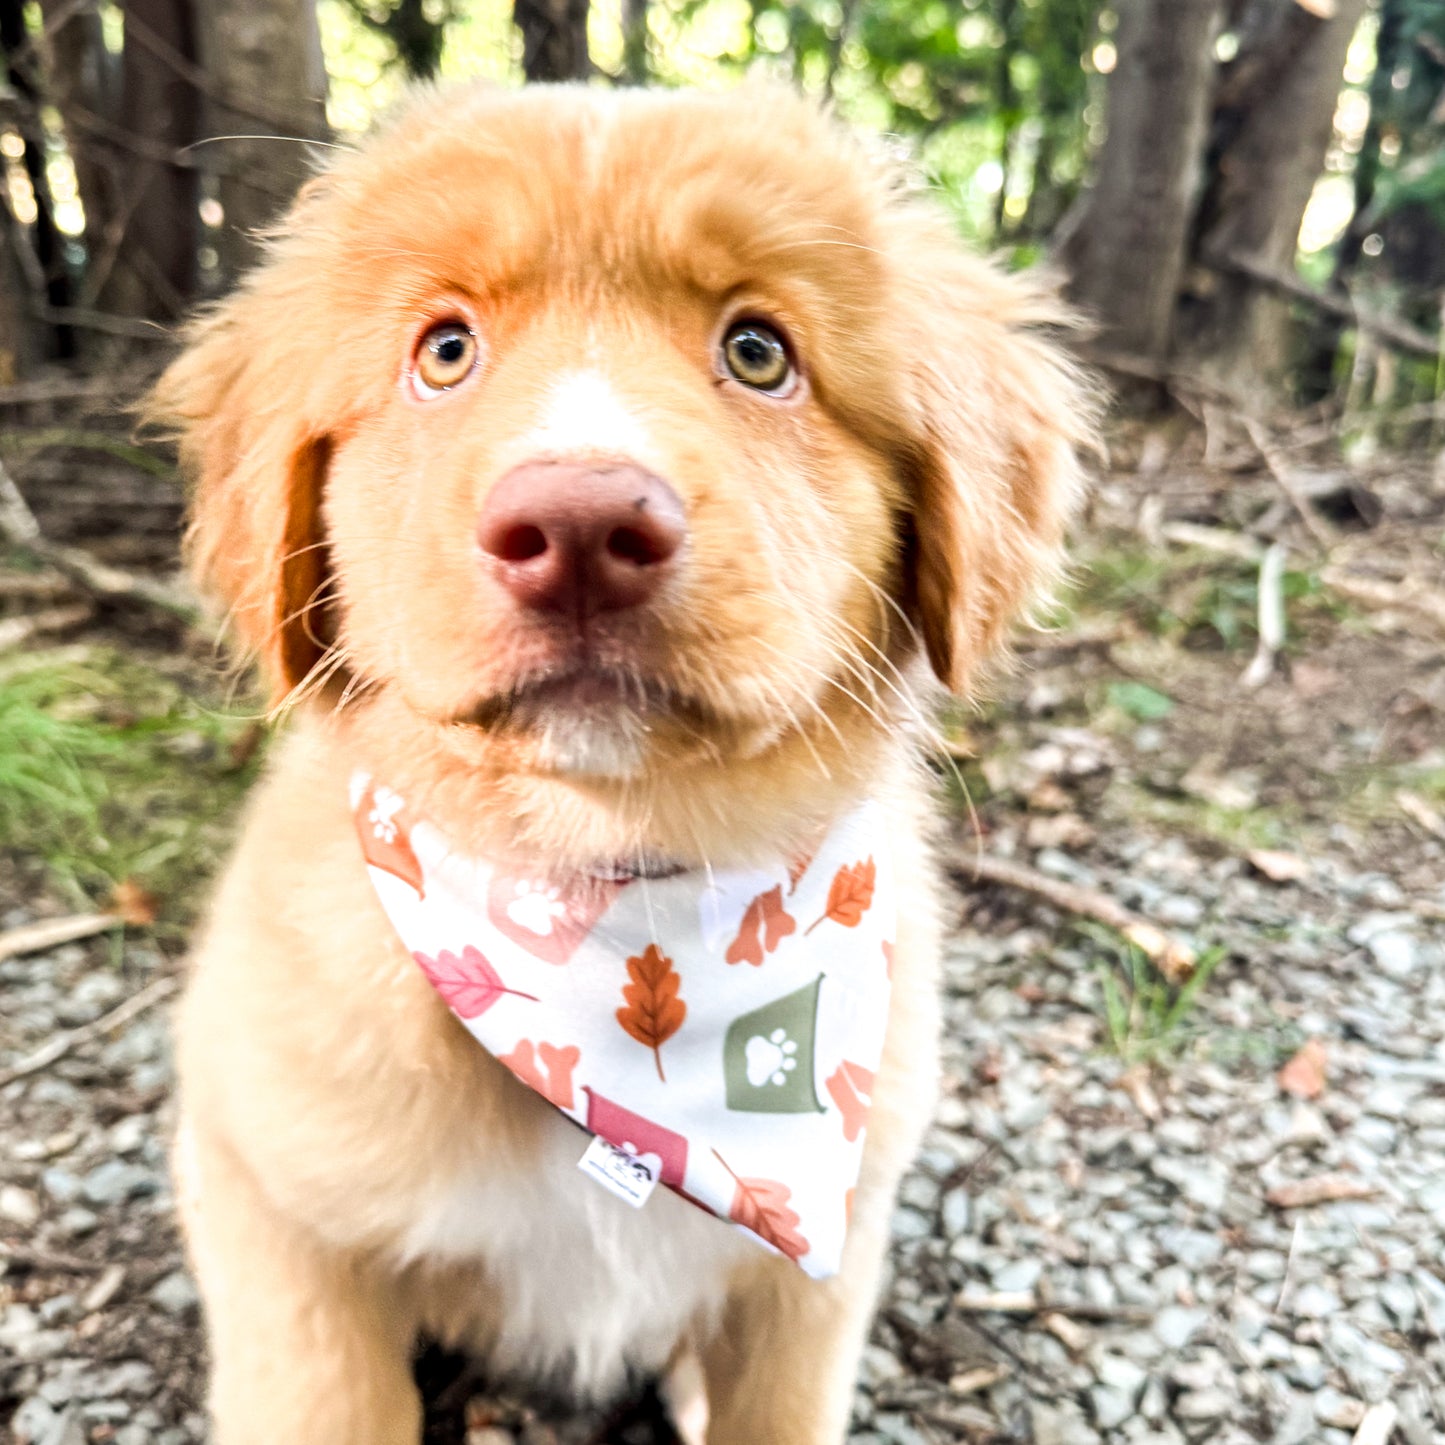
x,y
85,87
554,38
1273,120
21,336
1187,242
265,83
1125,249
416,29
26,91
154,269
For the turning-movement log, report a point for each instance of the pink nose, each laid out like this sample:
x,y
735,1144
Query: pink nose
x,y
581,537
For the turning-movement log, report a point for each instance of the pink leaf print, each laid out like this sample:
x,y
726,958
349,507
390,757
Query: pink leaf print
x,y
468,984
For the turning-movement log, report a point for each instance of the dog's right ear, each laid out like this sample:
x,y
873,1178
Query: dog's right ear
x,y
236,399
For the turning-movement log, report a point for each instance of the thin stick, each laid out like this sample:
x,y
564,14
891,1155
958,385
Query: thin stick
x,y
17,631
52,932
62,1044
1025,1302
1174,959
19,527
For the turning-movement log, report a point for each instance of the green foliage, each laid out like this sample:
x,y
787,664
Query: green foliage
x,y
111,770
1139,701
1148,1018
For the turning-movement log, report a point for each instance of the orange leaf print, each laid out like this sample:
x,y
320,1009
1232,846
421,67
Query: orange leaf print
x,y
851,894
765,925
761,1205
553,1079
654,1012
850,1086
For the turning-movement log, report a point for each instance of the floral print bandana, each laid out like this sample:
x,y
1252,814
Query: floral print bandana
x,y
719,1030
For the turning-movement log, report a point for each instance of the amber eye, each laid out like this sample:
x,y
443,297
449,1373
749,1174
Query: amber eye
x,y
757,356
446,356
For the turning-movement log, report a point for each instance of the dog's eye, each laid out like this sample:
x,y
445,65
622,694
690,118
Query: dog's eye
x,y
445,357
758,357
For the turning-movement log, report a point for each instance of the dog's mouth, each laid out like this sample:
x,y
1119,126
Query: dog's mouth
x,y
591,692
597,720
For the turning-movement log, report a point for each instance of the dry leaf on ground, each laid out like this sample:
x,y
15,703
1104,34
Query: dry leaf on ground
x,y
1304,1075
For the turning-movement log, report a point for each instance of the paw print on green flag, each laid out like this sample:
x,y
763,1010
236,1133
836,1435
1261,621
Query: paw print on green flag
x,y
768,1056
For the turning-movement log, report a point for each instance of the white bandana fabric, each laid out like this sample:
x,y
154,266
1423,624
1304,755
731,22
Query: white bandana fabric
x,y
723,1028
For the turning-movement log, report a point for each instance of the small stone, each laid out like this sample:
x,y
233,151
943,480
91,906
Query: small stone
x,y
1312,1301
61,1185
1204,1404
18,1206
77,1222
1340,1412
910,1224
1110,1407
1018,1276
33,1421
957,1210
116,1181
1175,1325
1060,1426
1204,1182
1394,951
175,1294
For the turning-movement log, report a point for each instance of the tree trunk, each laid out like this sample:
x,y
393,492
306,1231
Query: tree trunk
x,y
635,61
266,79
554,38
1273,124
21,336
85,88
22,71
155,269
1125,254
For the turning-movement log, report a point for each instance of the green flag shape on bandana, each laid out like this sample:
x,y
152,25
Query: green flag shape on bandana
x,y
768,1056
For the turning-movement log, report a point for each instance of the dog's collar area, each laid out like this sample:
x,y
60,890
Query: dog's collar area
x,y
646,869
715,1029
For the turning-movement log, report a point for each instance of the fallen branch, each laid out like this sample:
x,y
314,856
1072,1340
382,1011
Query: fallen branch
x,y
1410,595
52,932
1283,473
1025,1302
1271,618
19,527
1389,329
1174,959
17,631
64,1043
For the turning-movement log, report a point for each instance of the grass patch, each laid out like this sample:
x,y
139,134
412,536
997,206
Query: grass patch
x,y
1147,1017
1193,598
112,770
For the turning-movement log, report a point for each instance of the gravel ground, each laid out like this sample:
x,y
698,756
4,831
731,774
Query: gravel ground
x,y
1087,1251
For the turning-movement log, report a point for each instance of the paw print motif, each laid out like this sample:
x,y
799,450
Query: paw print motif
x,y
771,1059
548,919
385,805
536,907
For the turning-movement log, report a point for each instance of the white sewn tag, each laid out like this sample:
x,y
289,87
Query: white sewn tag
x,y
628,1176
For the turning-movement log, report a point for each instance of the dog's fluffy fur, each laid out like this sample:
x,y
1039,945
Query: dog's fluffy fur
x,y
355,1169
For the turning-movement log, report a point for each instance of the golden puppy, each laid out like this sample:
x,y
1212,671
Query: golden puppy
x,y
591,470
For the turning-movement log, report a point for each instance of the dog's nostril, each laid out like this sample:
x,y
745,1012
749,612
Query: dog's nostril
x,y
628,544
520,544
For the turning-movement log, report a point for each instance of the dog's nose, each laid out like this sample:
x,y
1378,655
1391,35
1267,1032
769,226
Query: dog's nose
x,y
581,537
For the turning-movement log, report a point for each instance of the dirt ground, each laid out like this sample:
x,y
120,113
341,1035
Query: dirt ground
x,y
1098,1243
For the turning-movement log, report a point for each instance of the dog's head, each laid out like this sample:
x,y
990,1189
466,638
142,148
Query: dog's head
x,y
610,432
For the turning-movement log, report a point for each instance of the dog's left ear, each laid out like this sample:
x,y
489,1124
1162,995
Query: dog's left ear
x,y
996,417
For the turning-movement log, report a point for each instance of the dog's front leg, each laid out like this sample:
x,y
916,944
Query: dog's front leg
x,y
781,1368
308,1343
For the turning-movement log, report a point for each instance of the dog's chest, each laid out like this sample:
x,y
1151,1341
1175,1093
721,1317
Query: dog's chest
x,y
583,1286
